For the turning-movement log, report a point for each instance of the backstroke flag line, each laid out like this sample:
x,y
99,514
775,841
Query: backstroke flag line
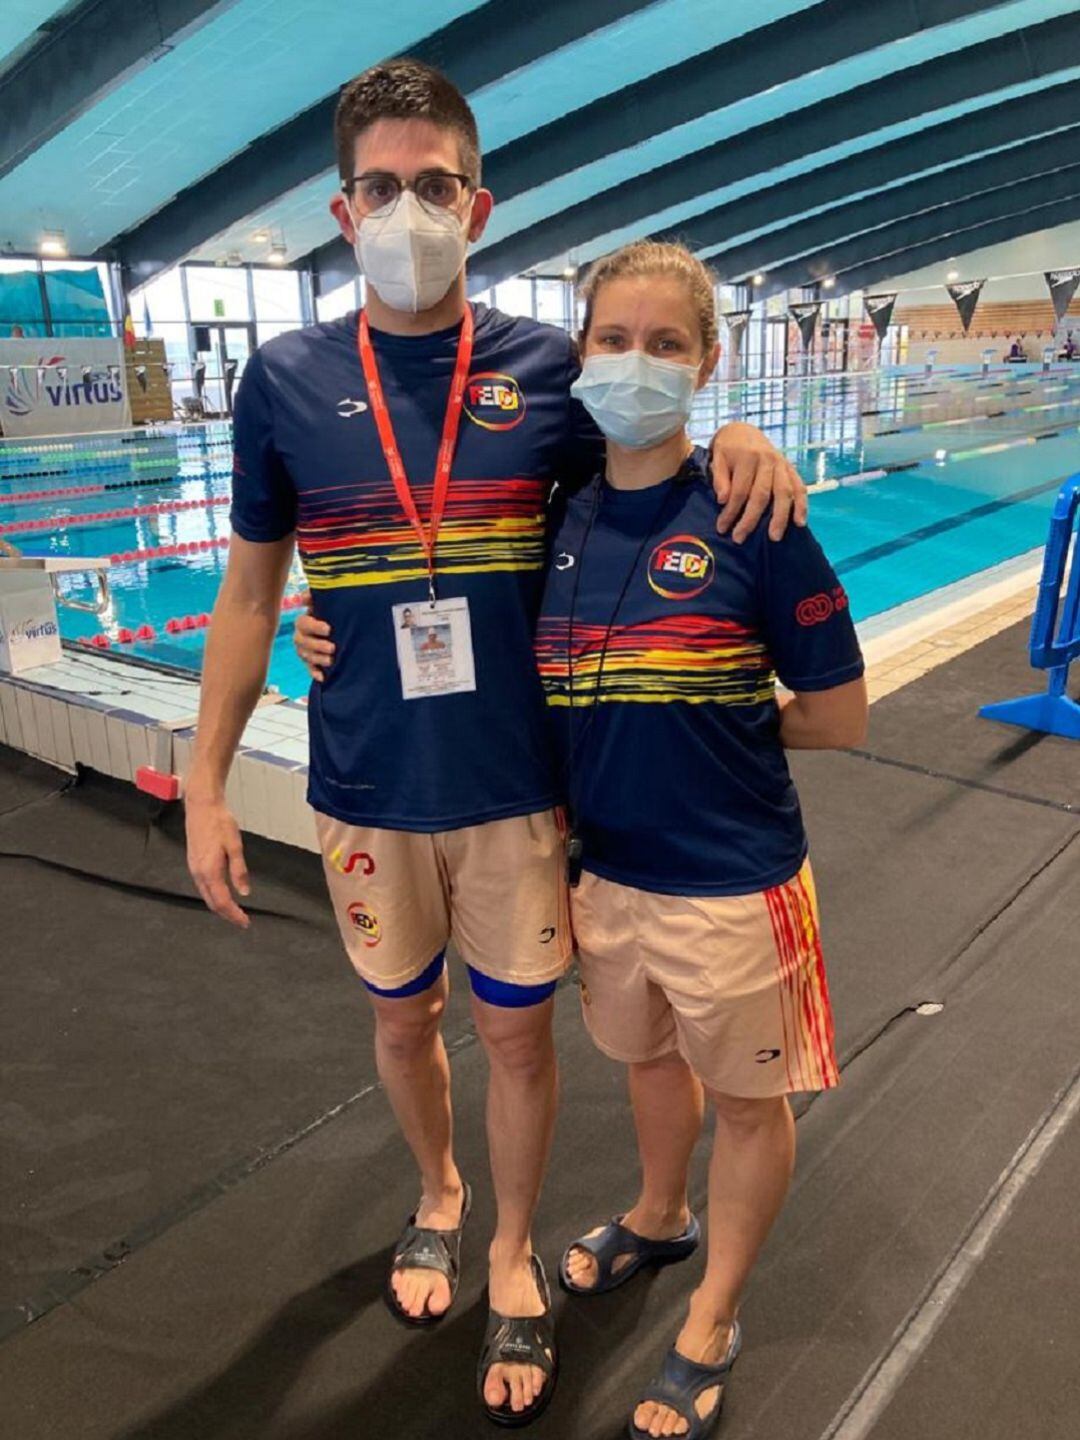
x,y
965,296
805,315
737,321
880,308
1062,285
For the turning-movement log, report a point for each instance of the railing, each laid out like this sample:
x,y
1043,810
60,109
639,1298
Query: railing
x,y
1055,630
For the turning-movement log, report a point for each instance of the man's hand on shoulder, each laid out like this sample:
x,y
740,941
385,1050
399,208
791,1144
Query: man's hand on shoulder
x,y
748,472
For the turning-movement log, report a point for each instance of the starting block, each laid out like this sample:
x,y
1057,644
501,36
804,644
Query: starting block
x,y
1053,711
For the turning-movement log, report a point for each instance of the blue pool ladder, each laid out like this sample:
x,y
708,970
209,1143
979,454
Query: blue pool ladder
x,y
1053,711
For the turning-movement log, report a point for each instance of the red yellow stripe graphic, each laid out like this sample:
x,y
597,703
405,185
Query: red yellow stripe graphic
x,y
350,536
805,1008
698,659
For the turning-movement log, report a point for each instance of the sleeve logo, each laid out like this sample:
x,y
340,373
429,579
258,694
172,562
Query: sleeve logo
x,y
494,401
817,608
681,567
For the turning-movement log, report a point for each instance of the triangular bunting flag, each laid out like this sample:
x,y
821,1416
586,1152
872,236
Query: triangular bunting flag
x,y
965,295
737,321
1062,285
880,308
805,314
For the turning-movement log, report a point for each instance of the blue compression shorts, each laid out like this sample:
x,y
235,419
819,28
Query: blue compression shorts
x,y
492,992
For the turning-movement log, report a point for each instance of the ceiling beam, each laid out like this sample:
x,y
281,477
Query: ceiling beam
x,y
813,246
981,130
475,50
958,244
953,220
812,38
80,58
1034,53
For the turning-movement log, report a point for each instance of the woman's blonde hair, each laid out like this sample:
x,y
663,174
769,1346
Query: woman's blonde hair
x,y
653,257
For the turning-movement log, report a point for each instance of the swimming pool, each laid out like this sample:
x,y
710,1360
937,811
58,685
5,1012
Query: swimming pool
x,y
917,482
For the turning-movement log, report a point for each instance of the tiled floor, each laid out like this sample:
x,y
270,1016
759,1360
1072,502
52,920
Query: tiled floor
x,y
117,717
900,668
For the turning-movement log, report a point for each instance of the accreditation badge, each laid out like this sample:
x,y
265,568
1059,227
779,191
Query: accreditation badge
x,y
434,648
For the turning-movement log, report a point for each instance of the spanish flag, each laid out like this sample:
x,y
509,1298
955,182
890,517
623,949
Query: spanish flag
x,y
129,333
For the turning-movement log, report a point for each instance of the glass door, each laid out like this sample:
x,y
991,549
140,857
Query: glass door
x,y
224,350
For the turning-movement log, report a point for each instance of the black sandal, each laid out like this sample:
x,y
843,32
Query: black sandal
x,y
679,1384
420,1248
528,1340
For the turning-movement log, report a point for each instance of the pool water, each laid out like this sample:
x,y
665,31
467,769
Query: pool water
x,y
916,482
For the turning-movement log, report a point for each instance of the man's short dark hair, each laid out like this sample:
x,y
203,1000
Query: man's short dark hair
x,y
404,90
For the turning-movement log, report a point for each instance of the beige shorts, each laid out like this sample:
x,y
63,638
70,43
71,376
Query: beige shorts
x,y
735,984
497,890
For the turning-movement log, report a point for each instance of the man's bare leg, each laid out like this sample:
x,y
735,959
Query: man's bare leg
x,y
415,1072
522,1098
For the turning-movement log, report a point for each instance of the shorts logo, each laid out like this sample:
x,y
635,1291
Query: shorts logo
x,y
764,1056
681,567
547,934
494,401
817,608
358,858
366,922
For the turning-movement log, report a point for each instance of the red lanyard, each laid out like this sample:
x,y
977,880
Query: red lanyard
x,y
428,537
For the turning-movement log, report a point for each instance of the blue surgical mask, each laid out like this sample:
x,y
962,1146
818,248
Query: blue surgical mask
x,y
636,400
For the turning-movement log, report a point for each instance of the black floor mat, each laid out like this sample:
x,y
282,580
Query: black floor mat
x,y
1003,1364
261,1315
935,724
201,1177
157,1053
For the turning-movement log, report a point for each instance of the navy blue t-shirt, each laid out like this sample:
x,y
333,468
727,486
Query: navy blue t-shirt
x,y
308,459
671,745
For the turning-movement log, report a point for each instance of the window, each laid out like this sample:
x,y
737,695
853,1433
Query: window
x,y
20,298
553,302
277,302
159,301
217,292
515,297
337,302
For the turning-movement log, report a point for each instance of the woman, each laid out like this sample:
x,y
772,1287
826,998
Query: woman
x,y
694,915
693,902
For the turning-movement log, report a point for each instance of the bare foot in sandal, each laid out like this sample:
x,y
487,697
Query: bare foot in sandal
x,y
513,1290
583,1269
705,1340
418,1291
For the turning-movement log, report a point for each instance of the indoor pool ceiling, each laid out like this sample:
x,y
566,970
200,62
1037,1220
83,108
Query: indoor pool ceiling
x,y
806,140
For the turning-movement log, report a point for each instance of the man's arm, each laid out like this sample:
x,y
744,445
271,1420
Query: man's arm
x,y
825,719
241,633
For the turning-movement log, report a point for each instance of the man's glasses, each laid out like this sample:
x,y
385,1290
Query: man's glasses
x,y
377,192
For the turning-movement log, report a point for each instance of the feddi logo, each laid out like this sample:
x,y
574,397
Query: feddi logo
x,y
494,401
681,567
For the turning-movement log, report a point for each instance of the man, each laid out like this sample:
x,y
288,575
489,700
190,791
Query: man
x,y
447,793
